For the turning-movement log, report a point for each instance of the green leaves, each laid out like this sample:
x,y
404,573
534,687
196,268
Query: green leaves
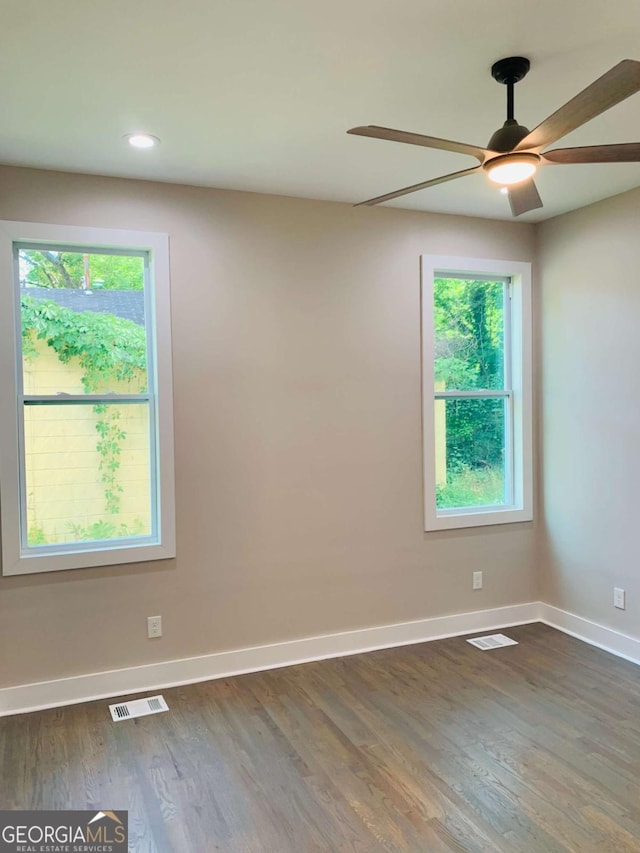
x,y
67,269
109,447
469,321
468,486
104,530
108,347
469,333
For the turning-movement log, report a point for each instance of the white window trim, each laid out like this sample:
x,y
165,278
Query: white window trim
x,y
15,561
522,507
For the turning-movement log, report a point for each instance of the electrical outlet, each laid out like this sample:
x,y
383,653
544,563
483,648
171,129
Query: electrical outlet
x,y
618,598
154,626
477,580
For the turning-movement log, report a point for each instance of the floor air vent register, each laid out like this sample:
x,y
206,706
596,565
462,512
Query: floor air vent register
x,y
492,641
138,708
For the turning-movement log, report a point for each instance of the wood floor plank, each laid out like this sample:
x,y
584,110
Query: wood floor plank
x,y
431,748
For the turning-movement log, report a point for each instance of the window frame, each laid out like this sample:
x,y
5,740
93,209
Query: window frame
x,y
160,544
518,433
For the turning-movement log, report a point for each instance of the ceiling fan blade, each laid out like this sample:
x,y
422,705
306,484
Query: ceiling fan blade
x,y
524,197
627,152
415,187
618,83
376,132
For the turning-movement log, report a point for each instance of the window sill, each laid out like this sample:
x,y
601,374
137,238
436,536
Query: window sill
x,y
477,518
92,556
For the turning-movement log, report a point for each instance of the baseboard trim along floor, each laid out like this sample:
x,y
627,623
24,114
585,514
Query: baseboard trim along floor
x,y
621,645
159,676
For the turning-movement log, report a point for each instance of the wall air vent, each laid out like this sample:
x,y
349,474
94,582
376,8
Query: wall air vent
x,y
138,708
492,641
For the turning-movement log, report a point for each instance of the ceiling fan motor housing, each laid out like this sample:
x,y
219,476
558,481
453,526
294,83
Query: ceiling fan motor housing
x,y
508,136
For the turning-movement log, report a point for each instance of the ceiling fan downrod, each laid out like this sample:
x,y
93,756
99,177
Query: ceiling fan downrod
x,y
509,71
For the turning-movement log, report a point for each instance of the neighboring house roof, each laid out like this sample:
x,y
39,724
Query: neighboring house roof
x,y
128,304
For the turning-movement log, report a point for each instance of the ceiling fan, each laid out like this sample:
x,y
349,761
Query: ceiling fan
x,y
514,153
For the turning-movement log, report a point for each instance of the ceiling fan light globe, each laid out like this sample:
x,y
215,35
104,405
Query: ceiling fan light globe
x,y
512,168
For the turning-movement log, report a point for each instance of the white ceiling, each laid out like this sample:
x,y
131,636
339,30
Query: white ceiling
x,y
257,94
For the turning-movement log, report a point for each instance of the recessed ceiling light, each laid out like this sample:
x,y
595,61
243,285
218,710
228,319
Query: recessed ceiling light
x,y
142,140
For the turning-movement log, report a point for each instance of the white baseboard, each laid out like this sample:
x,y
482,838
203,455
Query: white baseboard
x,y
101,685
621,645
25,698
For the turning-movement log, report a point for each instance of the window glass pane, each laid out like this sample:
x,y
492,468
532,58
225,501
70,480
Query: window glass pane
x,y
87,472
83,322
470,452
469,334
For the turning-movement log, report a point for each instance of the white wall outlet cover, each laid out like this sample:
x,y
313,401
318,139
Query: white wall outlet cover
x,y
619,598
154,626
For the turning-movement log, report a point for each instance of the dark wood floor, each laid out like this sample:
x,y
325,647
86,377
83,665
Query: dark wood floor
x,y
426,748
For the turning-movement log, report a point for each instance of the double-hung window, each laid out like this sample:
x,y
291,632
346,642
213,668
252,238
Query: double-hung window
x,y
476,333
86,429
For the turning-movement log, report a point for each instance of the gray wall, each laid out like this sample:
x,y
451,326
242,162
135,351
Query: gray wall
x,y
296,341
589,272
